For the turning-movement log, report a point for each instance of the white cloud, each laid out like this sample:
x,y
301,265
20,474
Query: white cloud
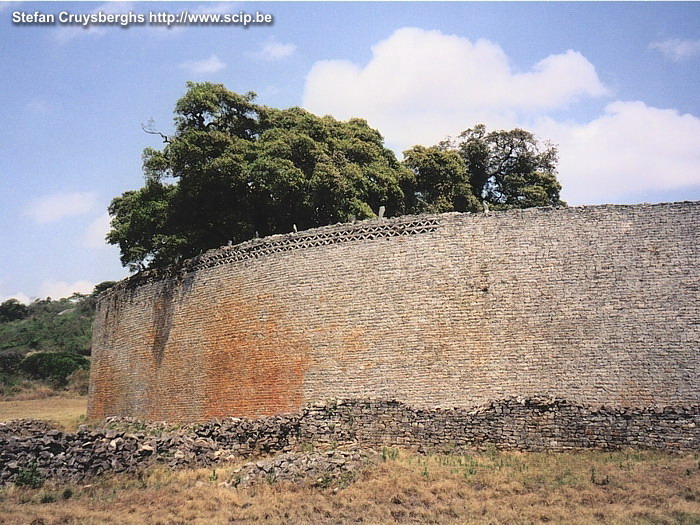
x,y
40,106
66,33
203,67
274,50
53,289
677,50
21,297
97,230
52,208
173,30
221,8
422,85
61,289
631,148
4,6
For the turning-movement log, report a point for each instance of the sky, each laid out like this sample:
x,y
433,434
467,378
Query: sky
x,y
613,85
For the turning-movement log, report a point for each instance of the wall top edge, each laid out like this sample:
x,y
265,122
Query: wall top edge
x,y
358,230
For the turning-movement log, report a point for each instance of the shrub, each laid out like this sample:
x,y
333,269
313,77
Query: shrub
x,y
54,367
10,360
47,497
12,310
29,476
79,381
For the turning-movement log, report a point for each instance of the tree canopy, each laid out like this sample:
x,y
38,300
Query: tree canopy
x,y
234,170
506,169
12,310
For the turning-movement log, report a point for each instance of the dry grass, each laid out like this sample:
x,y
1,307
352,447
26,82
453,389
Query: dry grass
x,y
489,487
67,410
28,390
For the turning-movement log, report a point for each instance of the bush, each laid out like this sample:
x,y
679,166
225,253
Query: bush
x,y
10,360
54,367
12,310
30,476
79,381
47,497
9,385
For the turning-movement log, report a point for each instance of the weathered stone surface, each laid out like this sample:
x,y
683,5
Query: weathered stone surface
x,y
535,424
598,305
322,469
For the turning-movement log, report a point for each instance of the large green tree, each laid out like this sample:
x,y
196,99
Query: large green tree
x,y
506,169
234,169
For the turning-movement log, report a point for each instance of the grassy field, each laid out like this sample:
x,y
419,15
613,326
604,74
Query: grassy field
x,y
66,410
622,487
488,487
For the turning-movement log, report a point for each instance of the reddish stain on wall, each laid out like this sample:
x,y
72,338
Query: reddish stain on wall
x,y
256,362
566,302
102,389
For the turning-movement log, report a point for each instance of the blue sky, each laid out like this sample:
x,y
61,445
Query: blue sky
x,y
614,85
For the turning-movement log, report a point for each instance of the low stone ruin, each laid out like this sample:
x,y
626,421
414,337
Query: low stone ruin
x,y
322,431
319,468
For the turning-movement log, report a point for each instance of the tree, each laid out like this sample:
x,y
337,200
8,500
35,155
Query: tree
x,y
54,367
506,169
442,180
102,287
12,310
62,327
235,169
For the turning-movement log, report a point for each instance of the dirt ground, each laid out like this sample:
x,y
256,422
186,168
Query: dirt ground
x,y
68,411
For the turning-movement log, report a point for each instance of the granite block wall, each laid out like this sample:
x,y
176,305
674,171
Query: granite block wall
x,y
597,305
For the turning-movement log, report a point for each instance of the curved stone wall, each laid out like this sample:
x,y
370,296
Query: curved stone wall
x,y
598,305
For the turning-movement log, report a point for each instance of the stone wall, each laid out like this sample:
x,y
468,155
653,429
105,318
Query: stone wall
x,y
598,305
534,424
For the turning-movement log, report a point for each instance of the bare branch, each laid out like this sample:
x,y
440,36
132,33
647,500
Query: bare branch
x,y
150,129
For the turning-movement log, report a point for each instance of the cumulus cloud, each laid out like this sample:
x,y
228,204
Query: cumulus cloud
x,y
94,236
53,289
422,85
203,67
61,289
677,50
53,208
631,147
274,50
66,33
21,297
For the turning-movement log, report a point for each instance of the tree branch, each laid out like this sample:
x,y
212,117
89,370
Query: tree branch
x,y
148,128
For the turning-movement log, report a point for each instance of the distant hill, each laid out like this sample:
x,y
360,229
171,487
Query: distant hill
x,y
46,342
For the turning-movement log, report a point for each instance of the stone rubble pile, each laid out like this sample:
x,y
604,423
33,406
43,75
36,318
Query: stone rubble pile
x,y
74,457
319,468
535,424
252,437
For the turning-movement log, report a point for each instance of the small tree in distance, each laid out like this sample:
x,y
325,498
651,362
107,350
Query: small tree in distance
x,y
12,310
506,169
